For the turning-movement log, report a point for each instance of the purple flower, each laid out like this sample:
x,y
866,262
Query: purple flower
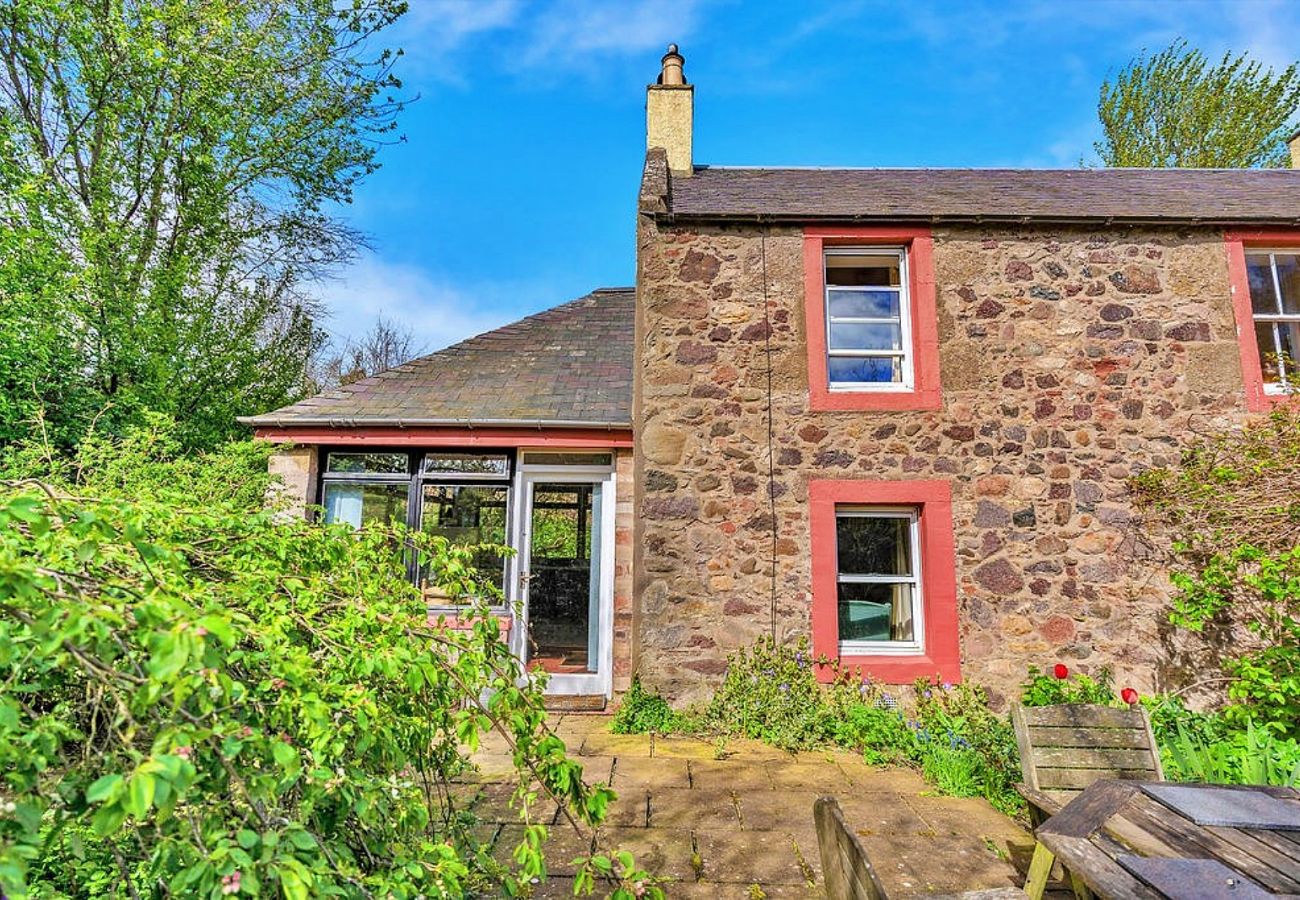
x,y
798,659
784,688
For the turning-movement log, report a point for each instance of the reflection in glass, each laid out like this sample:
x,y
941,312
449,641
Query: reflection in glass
x,y
866,337
875,612
467,463
367,463
361,504
876,369
863,304
468,514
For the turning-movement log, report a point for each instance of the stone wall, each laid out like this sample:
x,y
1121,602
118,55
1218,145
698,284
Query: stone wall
x,y
624,536
1070,359
293,479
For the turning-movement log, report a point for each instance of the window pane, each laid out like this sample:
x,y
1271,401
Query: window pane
x,y
1263,295
876,612
866,268
569,459
368,463
469,515
864,304
1268,360
1288,275
866,337
361,504
873,545
879,370
467,464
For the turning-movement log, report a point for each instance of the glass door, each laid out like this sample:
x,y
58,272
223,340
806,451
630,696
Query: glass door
x,y
566,582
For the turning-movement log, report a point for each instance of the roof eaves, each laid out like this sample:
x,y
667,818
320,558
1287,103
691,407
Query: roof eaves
x,y
274,421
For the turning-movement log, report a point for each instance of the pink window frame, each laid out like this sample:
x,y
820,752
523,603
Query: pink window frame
x,y
925,392
1252,373
941,654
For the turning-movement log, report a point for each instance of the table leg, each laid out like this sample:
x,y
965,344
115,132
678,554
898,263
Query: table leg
x,y
1040,868
1081,890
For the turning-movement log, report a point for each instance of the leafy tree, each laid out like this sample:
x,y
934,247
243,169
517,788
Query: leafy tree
x,y
1177,110
177,161
386,345
200,698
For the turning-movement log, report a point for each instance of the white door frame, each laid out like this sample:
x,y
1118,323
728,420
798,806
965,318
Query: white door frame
x,y
526,478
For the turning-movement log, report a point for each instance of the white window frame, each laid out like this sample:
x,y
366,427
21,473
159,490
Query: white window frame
x,y
908,382
916,646
1289,382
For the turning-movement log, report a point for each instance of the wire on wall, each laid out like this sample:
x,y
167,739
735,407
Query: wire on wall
x,y
771,463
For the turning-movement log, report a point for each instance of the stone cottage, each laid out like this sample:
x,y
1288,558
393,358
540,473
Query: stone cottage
x,y
892,410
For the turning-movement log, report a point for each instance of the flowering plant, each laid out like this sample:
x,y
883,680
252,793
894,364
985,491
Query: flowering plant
x,y
1063,687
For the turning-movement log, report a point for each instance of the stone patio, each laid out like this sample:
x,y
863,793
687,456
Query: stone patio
x,y
736,820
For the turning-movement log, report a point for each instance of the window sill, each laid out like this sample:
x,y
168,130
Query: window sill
x,y
456,621
893,668
856,399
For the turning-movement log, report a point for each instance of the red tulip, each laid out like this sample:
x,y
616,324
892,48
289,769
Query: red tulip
x,y
1129,696
1060,671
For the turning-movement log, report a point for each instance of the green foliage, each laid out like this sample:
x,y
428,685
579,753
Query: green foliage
x,y
879,732
1177,110
1231,517
1047,690
770,692
168,170
1220,749
643,712
198,697
965,747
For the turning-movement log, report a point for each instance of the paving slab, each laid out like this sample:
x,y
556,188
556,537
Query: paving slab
x,y
764,857
683,748
663,852
737,775
695,808
603,743
630,809
651,773
563,845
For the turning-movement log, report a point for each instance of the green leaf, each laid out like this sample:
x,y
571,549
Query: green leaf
x,y
140,794
246,838
107,787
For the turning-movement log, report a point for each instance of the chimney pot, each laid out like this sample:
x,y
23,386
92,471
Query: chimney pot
x,y
672,63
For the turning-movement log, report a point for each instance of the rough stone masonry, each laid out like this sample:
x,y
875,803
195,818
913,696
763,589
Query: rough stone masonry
x,y
1071,359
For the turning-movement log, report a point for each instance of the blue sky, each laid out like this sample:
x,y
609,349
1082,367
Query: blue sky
x,y
515,186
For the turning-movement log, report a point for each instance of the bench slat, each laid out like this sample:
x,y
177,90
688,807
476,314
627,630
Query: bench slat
x,y
1089,758
1089,717
1078,779
1071,736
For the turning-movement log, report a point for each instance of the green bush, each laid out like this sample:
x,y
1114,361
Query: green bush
x,y
198,697
1229,517
643,712
1050,690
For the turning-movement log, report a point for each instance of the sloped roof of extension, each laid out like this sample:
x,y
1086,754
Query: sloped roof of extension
x,y
567,366
1209,196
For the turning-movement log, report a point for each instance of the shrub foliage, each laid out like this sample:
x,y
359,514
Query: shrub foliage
x,y
202,698
1232,516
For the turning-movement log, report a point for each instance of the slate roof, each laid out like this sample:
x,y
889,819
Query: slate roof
x,y
1215,196
569,365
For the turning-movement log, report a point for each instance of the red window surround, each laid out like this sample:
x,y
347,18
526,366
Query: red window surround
x,y
1252,374
925,327
941,656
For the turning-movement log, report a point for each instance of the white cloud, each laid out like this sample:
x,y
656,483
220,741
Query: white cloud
x,y
570,31
437,312
443,25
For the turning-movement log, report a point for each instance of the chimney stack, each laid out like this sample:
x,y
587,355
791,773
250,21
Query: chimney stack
x,y
1294,143
669,113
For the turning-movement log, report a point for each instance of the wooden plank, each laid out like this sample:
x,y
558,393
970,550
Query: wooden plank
x,y
1085,758
1259,845
846,870
1071,736
1191,840
1021,728
1083,716
1054,779
1088,811
1088,863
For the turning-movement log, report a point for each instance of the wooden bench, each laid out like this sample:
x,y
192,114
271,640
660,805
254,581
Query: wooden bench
x,y
1064,749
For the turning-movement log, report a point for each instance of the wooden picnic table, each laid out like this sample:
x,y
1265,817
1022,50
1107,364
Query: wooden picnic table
x,y
1121,839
